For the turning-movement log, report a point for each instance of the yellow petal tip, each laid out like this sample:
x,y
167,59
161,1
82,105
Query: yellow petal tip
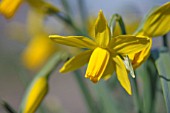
x,y
53,36
61,70
128,90
94,80
100,12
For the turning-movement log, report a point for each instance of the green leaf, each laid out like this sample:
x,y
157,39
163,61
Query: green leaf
x,y
52,63
148,73
105,98
103,101
163,64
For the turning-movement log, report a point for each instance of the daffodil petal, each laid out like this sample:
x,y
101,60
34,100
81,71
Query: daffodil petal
x,y
97,64
109,70
138,58
75,41
122,74
102,31
127,44
76,62
158,22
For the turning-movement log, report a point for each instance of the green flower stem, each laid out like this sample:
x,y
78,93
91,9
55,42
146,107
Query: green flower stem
x,y
69,22
7,107
150,86
83,14
117,18
67,18
83,11
149,83
165,41
88,97
106,102
112,23
122,25
136,95
67,8
52,63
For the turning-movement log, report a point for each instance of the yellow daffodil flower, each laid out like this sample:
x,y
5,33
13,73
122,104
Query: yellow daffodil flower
x,y
157,23
35,95
9,7
103,54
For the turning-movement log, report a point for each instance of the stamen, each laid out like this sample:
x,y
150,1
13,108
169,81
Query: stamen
x,y
128,66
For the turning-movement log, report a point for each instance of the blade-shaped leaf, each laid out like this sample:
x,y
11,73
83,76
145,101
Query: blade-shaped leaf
x,y
148,73
163,64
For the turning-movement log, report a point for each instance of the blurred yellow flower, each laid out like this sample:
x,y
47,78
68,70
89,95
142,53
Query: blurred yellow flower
x,y
9,7
103,54
157,23
38,51
35,95
40,47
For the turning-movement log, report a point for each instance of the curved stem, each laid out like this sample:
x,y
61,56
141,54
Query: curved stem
x,y
117,18
112,23
65,19
122,25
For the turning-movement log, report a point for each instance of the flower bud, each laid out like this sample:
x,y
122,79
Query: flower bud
x,y
35,95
